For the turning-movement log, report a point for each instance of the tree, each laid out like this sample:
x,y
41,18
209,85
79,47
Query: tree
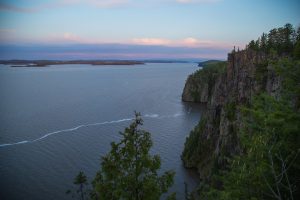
x,y
128,171
272,39
288,32
263,42
296,52
253,45
80,180
269,166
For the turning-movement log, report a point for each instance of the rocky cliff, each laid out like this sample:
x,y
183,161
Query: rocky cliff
x,y
224,89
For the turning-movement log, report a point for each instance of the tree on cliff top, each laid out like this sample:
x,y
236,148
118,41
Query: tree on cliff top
x,y
282,40
128,171
268,164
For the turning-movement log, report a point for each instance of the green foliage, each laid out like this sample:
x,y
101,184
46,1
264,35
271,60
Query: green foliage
x,y
289,71
261,73
281,40
128,171
269,166
193,149
253,45
296,52
209,63
80,181
208,74
210,70
230,110
217,67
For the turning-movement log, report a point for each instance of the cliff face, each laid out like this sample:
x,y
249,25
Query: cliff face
x,y
195,90
199,86
216,136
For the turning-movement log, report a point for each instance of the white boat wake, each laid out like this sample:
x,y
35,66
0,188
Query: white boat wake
x,y
87,125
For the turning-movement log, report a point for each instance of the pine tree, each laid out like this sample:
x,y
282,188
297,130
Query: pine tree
x,y
263,42
128,171
81,180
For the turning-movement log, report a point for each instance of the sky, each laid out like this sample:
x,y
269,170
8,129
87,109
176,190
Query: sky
x,y
136,29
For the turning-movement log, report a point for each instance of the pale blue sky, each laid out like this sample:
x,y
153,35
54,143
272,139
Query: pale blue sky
x,y
195,24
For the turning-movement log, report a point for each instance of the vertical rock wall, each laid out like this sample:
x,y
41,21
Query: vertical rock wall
x,y
212,142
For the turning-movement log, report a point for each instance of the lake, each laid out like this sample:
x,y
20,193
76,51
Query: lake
x,y
58,120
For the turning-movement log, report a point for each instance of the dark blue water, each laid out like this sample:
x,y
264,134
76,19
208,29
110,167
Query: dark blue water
x,y
58,120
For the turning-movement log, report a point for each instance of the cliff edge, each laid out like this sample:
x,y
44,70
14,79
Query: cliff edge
x,y
247,143
224,87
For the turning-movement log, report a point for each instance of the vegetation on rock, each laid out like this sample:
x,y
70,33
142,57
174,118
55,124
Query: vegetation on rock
x,y
249,142
268,167
204,76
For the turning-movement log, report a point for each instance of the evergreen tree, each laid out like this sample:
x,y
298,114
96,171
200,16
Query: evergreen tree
x,y
263,42
288,32
296,52
81,180
272,40
253,45
268,165
128,171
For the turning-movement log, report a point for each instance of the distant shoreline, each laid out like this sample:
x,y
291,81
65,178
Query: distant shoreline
x,y
45,63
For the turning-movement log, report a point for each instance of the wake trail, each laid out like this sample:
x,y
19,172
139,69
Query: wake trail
x,y
86,125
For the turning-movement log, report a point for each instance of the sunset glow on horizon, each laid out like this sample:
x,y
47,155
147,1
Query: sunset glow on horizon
x,y
132,29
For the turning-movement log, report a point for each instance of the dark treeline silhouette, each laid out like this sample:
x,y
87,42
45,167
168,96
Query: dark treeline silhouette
x,y
279,41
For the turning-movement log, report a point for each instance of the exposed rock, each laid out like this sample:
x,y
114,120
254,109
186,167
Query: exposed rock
x,y
213,141
195,90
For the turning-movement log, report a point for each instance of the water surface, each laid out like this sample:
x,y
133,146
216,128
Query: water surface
x,y
58,120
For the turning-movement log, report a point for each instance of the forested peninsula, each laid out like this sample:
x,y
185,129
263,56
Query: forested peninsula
x,y
246,145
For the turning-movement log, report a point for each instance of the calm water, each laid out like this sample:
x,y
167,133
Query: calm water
x,y
58,120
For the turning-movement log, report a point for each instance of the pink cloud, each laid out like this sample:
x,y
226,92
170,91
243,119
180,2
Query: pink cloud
x,y
193,42
97,3
151,41
9,35
189,42
68,37
186,42
90,55
71,37
107,3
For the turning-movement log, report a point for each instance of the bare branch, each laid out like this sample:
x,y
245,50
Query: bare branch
x,y
274,174
271,189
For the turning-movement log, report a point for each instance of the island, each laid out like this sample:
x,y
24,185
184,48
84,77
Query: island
x,y
44,63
